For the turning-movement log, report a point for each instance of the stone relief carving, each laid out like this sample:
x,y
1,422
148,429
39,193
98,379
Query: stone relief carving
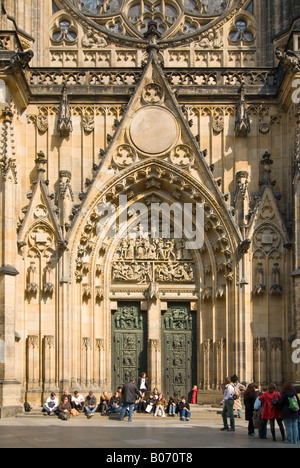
x,y
182,156
260,287
124,156
266,238
64,124
146,260
128,318
178,319
242,123
153,93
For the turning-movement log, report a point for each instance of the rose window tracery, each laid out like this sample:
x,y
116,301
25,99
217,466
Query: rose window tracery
x,y
129,20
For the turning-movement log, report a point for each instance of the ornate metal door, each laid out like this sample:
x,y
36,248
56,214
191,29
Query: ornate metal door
x,y
129,343
179,357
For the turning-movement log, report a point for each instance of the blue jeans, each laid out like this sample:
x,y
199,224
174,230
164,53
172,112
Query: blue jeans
x,y
114,410
124,408
172,409
291,426
184,414
89,411
228,413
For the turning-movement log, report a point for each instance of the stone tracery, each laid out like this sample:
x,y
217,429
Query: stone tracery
x,y
131,19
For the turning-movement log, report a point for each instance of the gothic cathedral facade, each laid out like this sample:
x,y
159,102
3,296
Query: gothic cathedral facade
x,y
149,195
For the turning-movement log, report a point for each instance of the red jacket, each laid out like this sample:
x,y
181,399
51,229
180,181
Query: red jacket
x,y
269,411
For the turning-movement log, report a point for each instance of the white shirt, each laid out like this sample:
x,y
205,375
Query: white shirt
x,y
143,384
77,400
228,393
53,402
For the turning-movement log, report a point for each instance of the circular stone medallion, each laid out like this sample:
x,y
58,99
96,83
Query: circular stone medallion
x,y
153,130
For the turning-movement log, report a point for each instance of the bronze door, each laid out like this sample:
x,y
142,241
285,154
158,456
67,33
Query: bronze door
x,y
179,351
129,342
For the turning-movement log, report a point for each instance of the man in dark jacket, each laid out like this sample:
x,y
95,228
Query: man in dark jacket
x,y
130,392
289,404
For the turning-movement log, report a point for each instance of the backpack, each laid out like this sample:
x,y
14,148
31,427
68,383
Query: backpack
x,y
293,403
27,407
236,394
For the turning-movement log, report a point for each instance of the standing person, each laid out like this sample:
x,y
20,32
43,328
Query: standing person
x,y
129,393
90,405
250,397
289,404
271,412
228,402
238,389
143,383
194,397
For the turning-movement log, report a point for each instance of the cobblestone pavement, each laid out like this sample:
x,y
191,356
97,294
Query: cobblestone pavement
x,y
202,431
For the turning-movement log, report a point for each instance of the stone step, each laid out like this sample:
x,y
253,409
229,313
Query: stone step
x,y
196,410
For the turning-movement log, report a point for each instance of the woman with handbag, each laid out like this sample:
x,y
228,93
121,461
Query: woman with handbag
x,y
271,412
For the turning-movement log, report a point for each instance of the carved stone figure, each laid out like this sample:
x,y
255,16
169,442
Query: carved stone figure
x,y
64,124
242,123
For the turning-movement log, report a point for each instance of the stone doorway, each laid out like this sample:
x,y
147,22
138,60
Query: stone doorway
x,y
179,350
129,343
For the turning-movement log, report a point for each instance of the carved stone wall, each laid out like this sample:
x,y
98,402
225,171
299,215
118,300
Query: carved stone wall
x,y
173,104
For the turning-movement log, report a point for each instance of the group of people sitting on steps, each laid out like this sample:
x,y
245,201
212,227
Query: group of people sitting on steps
x,y
148,403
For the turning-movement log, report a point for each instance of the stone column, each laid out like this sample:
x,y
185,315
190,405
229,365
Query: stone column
x,y
48,363
207,364
154,342
32,355
10,387
99,363
260,361
86,360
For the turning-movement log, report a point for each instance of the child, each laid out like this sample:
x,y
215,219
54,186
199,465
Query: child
x,y
160,406
184,409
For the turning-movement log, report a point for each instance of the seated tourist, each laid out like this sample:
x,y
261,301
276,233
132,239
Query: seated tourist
x,y
151,404
115,404
68,395
77,401
51,405
64,409
141,403
90,405
161,405
184,409
104,403
172,406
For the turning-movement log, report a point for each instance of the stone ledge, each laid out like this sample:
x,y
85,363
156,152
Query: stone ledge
x,y
7,412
